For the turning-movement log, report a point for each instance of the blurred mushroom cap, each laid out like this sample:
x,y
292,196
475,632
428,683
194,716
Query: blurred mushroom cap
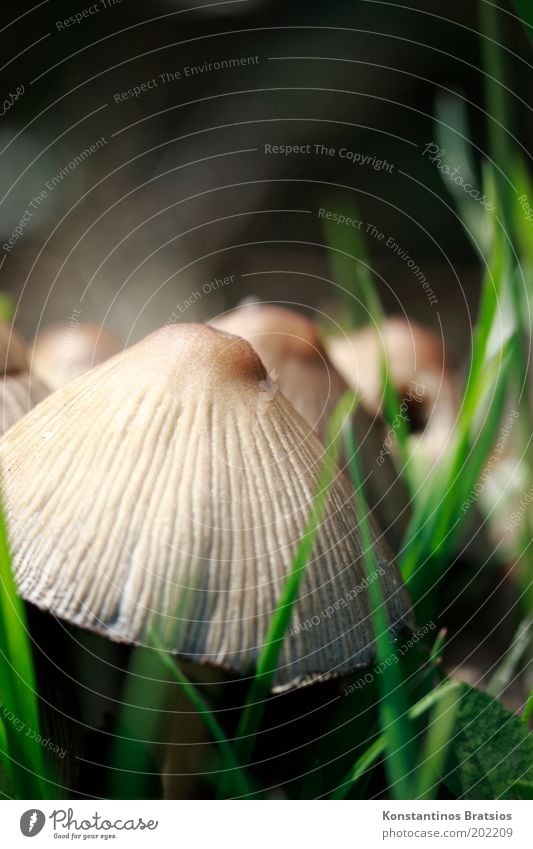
x,y
419,368
166,491
13,351
63,351
20,390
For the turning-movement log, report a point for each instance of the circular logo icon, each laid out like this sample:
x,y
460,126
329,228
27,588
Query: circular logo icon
x,y
32,822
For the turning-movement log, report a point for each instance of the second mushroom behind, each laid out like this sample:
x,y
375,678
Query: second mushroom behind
x,y
290,347
63,351
419,368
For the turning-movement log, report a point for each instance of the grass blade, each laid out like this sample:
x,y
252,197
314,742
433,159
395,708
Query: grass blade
x,y
394,702
18,688
251,716
234,771
438,738
376,750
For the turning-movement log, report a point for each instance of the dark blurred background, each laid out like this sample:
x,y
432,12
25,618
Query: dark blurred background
x,y
179,189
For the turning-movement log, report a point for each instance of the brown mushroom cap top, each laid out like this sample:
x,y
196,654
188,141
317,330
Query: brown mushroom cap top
x,y
167,490
290,347
63,351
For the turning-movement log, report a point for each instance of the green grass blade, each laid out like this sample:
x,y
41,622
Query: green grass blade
x,y
394,702
18,689
377,748
528,710
440,731
475,448
367,310
251,716
506,670
234,771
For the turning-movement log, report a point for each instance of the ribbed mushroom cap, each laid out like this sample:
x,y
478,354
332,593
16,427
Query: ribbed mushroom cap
x,y
419,369
167,490
63,351
292,352
20,391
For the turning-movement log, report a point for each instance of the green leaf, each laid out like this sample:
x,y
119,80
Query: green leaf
x,y
491,751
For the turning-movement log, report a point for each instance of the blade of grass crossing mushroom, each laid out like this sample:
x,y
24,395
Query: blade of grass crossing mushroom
x,y
18,689
250,719
430,519
369,758
235,776
423,570
394,702
451,511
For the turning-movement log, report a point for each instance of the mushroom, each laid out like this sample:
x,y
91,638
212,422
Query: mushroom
x,y
21,390
63,351
292,352
419,369
165,491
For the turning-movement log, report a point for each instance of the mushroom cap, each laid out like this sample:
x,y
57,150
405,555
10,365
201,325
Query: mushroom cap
x,y
292,352
65,350
19,390
167,490
290,348
419,367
